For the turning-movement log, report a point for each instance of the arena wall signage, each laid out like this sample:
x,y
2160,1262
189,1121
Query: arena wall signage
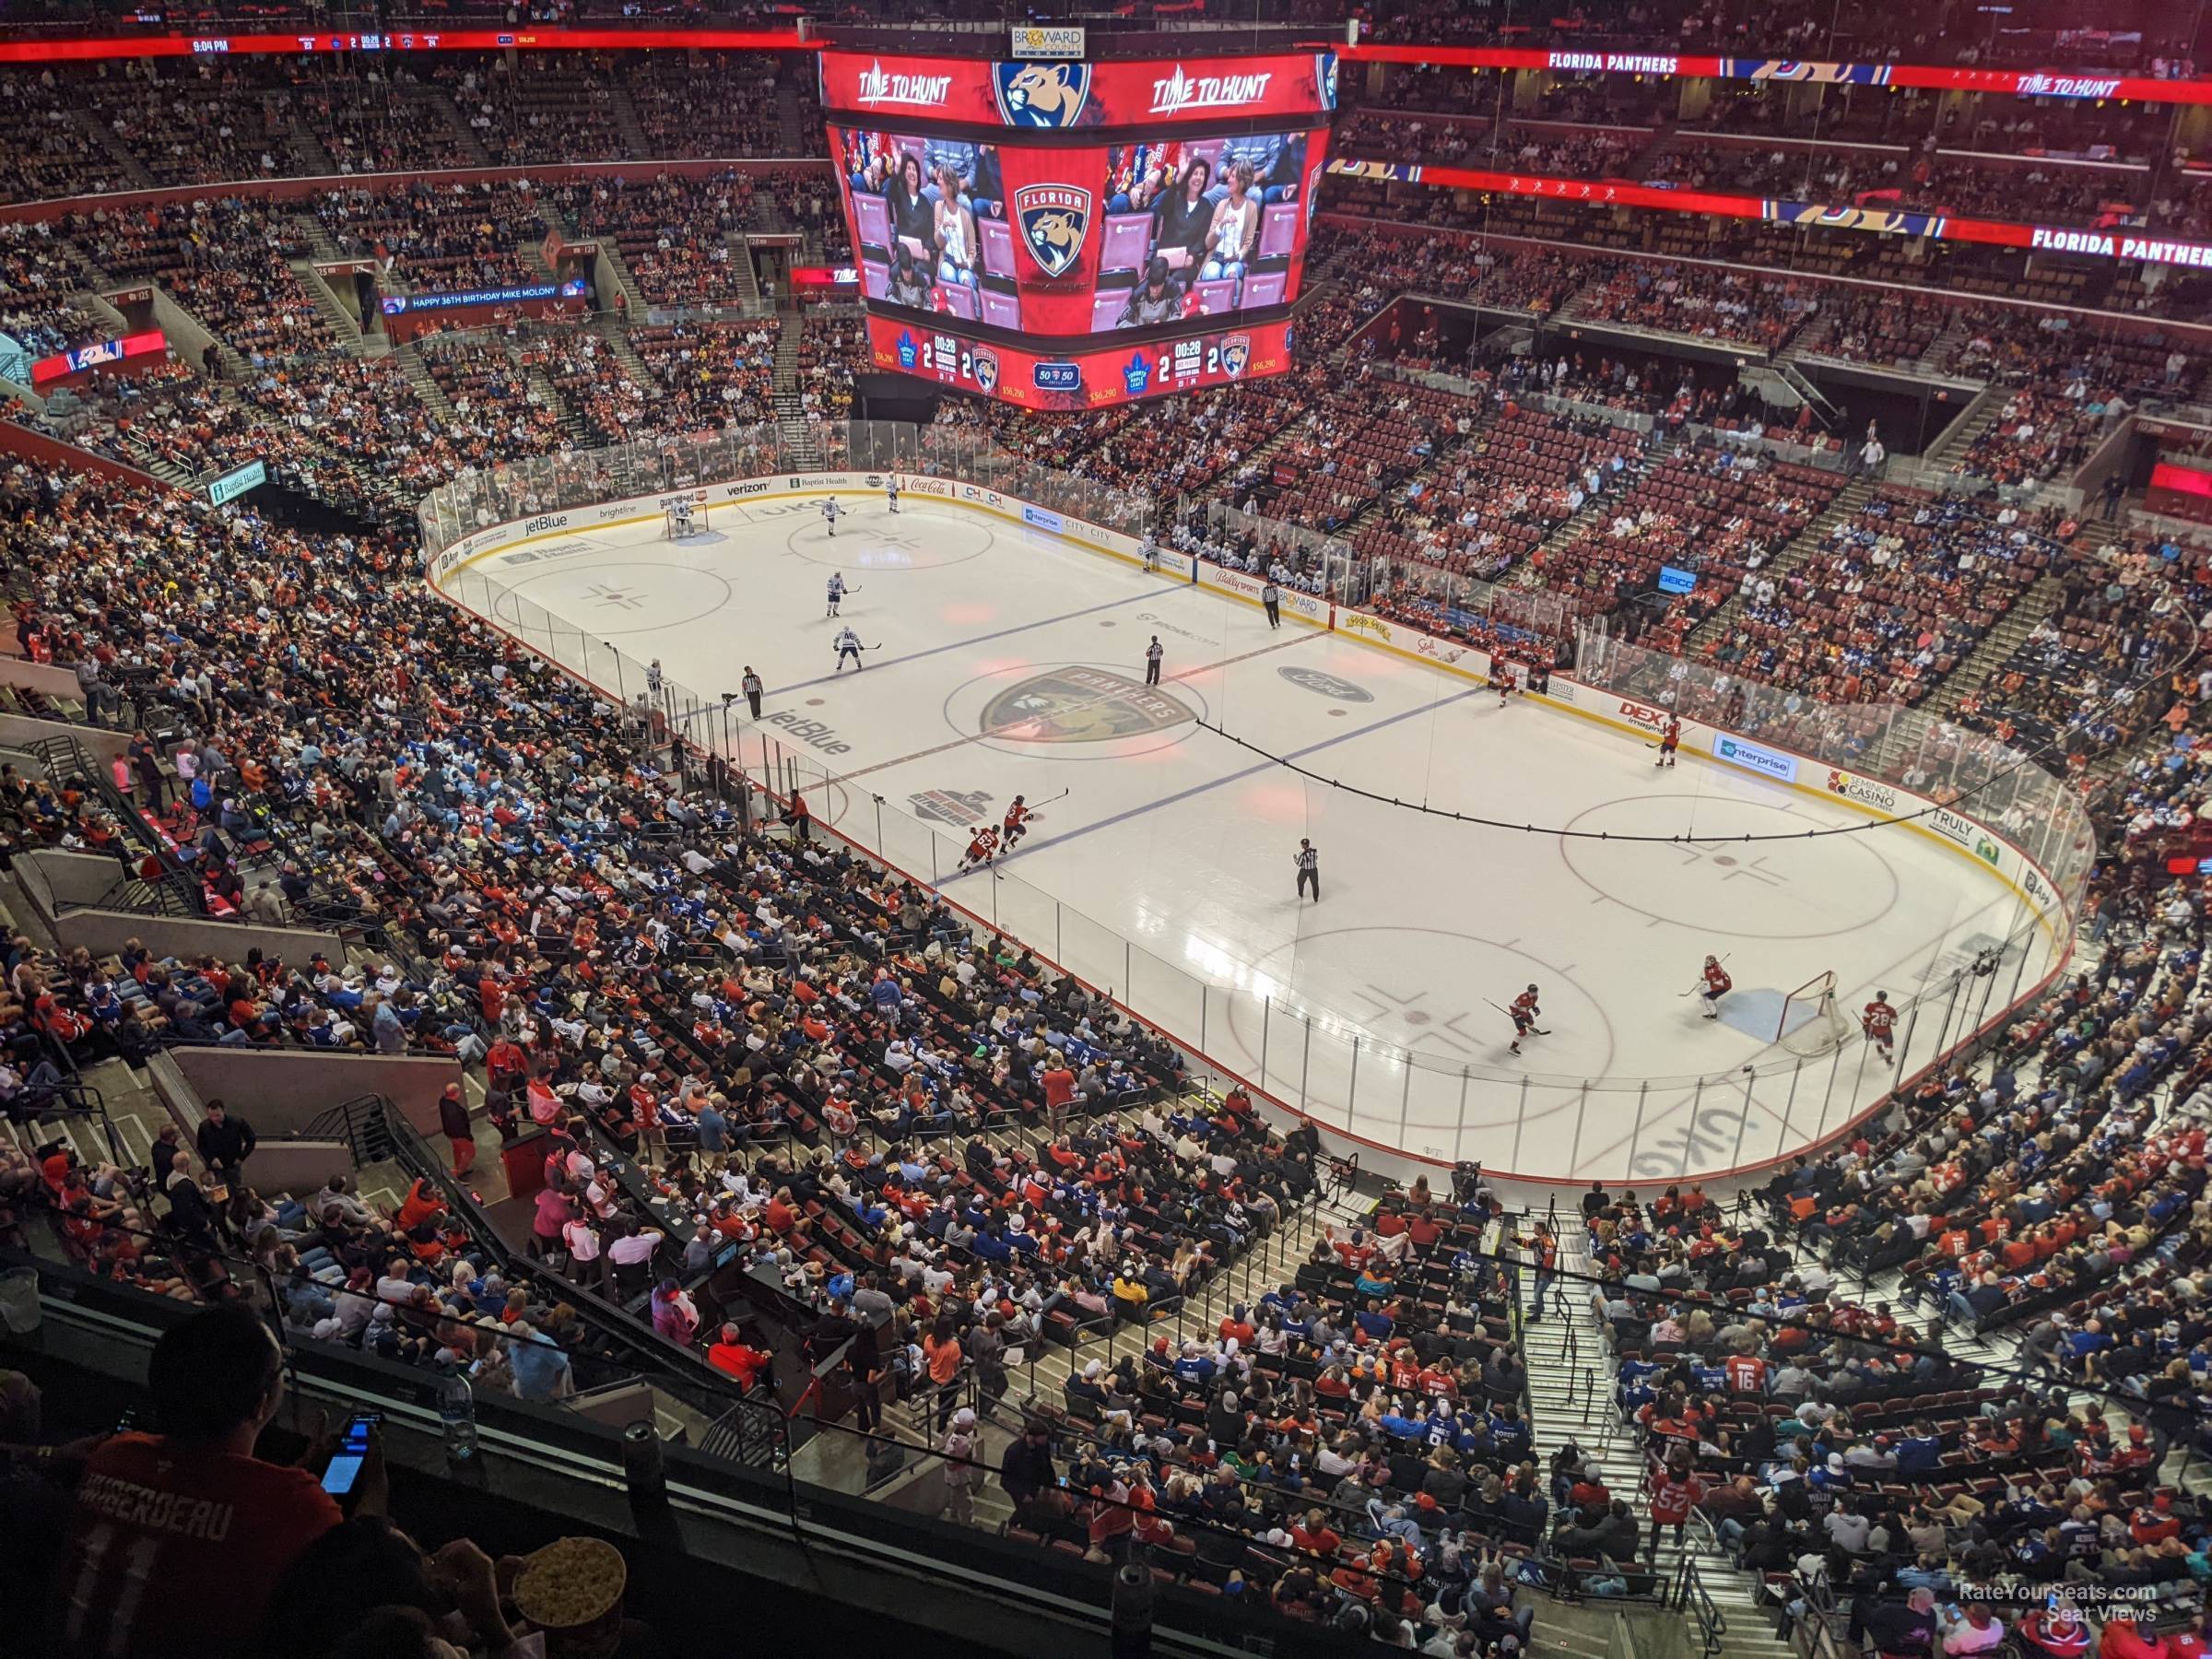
x,y
1084,380
129,349
396,305
94,49
2021,83
2126,245
1045,41
232,484
1039,95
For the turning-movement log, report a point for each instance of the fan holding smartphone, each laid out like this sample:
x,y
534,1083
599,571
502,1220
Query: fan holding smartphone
x,y
342,1478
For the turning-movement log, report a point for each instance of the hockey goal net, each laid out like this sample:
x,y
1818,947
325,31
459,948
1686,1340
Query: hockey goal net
x,y
679,519
1811,1022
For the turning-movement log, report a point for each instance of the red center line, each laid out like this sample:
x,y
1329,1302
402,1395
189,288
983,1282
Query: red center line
x,y
1104,696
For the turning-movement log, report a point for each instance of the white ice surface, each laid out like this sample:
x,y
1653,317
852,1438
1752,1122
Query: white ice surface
x,y
1166,873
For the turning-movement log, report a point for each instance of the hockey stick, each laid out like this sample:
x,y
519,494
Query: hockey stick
x,y
1061,796
1721,963
1501,1008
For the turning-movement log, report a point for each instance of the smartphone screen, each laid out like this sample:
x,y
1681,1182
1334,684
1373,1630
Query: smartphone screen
x,y
346,1466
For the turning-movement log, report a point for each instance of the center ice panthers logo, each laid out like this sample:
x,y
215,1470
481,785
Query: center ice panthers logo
x,y
1041,95
1055,220
1079,704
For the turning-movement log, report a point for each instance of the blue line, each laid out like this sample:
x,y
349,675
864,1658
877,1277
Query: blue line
x,y
1087,610
1199,788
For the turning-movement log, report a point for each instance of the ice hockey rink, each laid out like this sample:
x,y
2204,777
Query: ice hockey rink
x,y
1001,660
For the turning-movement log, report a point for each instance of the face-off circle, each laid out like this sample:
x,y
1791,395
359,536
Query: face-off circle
x,y
870,538
600,602
1790,890
1074,711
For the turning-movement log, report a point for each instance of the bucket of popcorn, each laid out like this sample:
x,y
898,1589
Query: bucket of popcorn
x,y
572,1591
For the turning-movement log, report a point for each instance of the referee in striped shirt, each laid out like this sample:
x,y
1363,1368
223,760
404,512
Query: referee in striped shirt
x,y
1309,870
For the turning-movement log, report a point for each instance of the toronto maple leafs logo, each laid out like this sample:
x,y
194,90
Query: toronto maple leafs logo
x,y
986,369
1041,95
1055,220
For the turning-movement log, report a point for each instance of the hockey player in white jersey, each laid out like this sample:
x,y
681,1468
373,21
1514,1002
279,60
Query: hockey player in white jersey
x,y
837,593
848,645
830,513
890,492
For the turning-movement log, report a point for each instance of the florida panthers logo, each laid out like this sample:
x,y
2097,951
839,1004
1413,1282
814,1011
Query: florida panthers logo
x,y
1236,352
1041,95
1054,219
985,361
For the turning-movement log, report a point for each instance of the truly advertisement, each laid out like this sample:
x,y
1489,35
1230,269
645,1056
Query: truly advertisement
x,y
1080,380
1044,94
1752,757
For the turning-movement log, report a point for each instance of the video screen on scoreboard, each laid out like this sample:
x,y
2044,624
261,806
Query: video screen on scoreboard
x,y
1079,239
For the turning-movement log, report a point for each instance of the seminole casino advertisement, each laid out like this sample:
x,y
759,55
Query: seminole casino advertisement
x,y
1084,233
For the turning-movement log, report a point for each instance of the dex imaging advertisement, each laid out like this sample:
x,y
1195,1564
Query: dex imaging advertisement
x,y
1079,239
1080,379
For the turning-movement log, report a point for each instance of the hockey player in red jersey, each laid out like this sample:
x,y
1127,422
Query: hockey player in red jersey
x,y
1716,985
1670,740
1879,1019
1525,1013
982,849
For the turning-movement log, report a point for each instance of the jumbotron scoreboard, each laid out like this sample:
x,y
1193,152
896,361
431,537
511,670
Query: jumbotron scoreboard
x,y
1059,233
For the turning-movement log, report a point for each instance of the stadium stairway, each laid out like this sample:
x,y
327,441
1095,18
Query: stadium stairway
x,y
610,328
790,127
1977,417
1944,348
612,268
439,105
544,393
316,162
741,263
341,321
2003,638
1847,500
1570,1399
1270,1262
104,138
634,141
408,356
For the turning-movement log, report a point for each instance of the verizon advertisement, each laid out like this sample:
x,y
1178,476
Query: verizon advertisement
x,y
1083,380
1045,97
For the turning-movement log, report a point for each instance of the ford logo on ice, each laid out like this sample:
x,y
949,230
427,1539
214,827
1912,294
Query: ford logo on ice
x,y
1328,685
